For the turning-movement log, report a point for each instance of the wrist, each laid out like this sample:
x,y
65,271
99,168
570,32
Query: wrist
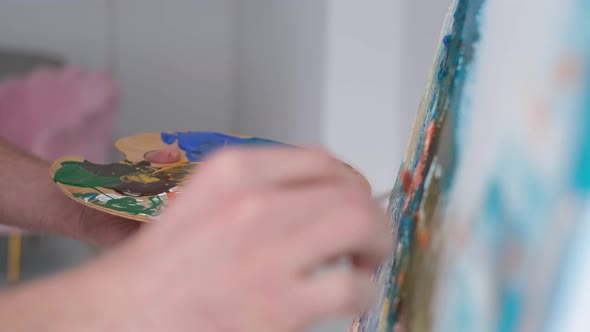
x,y
75,220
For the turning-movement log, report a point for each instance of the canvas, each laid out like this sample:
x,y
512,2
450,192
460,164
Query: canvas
x,y
490,208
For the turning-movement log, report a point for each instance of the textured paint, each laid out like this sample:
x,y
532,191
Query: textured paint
x,y
140,179
76,173
149,206
86,196
197,145
131,206
495,177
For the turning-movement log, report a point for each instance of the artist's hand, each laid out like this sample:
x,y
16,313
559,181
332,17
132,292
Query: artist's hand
x,y
238,250
107,230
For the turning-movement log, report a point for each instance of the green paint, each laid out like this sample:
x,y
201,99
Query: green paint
x,y
76,173
126,178
131,206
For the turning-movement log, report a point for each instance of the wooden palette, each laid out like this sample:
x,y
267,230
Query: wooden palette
x,y
134,188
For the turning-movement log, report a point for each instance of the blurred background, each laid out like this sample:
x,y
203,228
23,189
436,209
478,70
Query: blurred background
x,y
345,74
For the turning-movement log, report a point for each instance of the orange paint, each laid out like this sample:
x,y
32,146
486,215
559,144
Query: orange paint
x,y
407,202
423,237
406,181
400,279
568,70
418,177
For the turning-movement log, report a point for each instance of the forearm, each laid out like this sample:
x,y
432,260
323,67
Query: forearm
x,y
58,303
29,199
88,299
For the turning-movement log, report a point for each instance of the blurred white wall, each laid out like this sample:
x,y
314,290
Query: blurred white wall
x,y
422,25
347,74
174,61
362,120
75,30
324,72
279,57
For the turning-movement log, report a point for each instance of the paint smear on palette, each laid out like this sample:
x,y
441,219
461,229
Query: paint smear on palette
x,y
140,188
149,206
126,178
197,145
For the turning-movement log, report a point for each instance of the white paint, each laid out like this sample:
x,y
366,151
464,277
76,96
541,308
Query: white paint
x,y
105,198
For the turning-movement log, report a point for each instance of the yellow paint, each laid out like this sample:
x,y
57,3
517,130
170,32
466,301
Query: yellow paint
x,y
169,167
142,178
384,312
14,255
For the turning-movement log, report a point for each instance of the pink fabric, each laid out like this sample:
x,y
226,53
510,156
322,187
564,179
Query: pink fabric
x,y
57,112
54,112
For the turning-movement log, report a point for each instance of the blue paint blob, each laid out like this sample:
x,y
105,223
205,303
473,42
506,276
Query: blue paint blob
x,y
197,145
168,138
446,40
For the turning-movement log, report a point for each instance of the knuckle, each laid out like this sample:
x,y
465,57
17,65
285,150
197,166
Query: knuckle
x,y
322,157
252,204
228,164
362,230
358,223
319,151
357,199
347,292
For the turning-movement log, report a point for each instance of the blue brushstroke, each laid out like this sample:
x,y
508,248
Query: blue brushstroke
x,y
197,145
511,306
86,196
581,171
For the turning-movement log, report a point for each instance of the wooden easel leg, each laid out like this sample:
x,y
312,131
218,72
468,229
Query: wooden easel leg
x,y
14,257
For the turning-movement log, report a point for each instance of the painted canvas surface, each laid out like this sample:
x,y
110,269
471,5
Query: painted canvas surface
x,y
491,206
135,188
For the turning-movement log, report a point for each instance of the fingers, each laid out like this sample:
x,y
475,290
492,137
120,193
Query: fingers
x,y
289,211
243,174
167,155
282,212
333,293
312,205
271,166
348,230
